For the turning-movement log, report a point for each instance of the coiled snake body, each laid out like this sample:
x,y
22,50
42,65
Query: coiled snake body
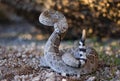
x,y
76,61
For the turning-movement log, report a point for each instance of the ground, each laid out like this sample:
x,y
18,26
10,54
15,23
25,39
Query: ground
x,y
21,62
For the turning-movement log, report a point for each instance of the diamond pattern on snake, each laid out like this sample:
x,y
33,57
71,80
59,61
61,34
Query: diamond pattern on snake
x,y
77,61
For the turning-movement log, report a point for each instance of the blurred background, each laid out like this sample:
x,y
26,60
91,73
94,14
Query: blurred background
x,y
19,19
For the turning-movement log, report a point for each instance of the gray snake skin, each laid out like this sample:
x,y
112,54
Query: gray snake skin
x,y
76,61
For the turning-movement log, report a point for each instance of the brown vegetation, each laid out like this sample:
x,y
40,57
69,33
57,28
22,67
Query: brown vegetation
x,y
99,17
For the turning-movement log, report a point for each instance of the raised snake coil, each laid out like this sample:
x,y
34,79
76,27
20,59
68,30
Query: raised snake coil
x,y
76,61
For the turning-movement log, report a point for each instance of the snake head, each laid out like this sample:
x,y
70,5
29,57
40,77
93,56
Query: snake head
x,y
54,18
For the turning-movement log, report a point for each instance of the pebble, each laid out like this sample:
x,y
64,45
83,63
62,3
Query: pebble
x,y
64,79
23,56
118,73
50,76
37,78
18,54
91,78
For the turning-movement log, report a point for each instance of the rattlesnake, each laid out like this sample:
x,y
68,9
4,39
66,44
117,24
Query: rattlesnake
x,y
76,61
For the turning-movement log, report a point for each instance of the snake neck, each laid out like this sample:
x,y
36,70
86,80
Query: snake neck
x,y
53,43
56,19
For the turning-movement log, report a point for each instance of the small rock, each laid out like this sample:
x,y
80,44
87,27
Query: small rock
x,y
23,56
51,76
118,73
18,54
36,78
91,78
64,79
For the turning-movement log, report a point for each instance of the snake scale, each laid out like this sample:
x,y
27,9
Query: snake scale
x,y
77,61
